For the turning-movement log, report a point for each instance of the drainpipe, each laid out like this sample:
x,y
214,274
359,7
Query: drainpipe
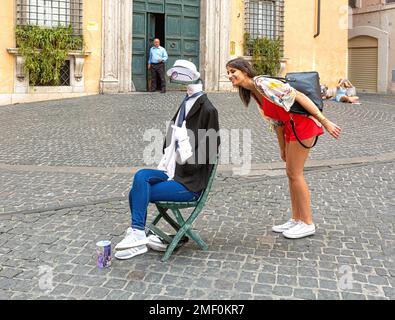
x,y
318,19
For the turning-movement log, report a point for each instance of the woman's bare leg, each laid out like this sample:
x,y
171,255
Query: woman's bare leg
x,y
300,195
295,209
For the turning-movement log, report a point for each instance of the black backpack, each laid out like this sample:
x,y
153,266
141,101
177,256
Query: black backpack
x,y
309,84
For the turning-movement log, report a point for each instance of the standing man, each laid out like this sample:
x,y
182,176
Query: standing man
x,y
156,63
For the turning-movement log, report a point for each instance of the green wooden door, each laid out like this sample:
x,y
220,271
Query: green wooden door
x,y
143,26
182,22
139,57
182,32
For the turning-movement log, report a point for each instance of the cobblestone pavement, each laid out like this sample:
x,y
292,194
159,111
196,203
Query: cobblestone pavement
x,y
350,257
65,172
107,131
55,153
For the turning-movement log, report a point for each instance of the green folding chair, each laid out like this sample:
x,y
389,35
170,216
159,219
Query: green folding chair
x,y
182,227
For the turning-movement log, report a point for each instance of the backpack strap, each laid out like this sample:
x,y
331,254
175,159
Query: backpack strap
x,y
294,131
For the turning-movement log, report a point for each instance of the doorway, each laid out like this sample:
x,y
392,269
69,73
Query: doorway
x,y
175,23
156,29
363,63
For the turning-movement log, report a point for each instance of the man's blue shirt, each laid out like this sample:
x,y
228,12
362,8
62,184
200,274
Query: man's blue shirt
x,y
157,53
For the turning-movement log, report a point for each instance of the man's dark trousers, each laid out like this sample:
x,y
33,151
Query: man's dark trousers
x,y
158,73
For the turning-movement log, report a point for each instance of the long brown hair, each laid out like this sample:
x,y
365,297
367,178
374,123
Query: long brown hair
x,y
244,66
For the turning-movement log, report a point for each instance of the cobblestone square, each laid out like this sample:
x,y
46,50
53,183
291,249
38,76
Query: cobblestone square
x,y
66,167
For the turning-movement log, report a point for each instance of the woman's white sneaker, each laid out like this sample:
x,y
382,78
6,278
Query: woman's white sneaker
x,y
286,226
300,230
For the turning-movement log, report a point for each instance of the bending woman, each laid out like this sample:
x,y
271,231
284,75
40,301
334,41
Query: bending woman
x,y
307,128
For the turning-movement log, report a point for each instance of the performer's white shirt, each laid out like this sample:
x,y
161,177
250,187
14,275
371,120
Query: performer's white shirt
x,y
169,159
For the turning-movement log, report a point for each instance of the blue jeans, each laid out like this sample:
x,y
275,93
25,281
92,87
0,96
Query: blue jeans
x,y
150,186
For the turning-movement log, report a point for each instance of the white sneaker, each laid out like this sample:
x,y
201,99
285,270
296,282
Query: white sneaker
x,y
133,238
130,253
300,230
155,243
286,226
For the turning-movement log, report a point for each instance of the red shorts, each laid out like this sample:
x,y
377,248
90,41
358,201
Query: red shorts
x,y
305,128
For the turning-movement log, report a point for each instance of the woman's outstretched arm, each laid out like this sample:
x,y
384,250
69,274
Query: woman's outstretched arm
x,y
311,108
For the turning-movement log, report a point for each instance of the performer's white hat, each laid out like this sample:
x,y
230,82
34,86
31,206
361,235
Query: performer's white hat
x,y
183,71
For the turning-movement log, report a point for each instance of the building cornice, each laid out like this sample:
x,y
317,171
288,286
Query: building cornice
x,y
372,9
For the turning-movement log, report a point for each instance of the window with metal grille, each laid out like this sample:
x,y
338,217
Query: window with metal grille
x,y
264,18
50,13
64,76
